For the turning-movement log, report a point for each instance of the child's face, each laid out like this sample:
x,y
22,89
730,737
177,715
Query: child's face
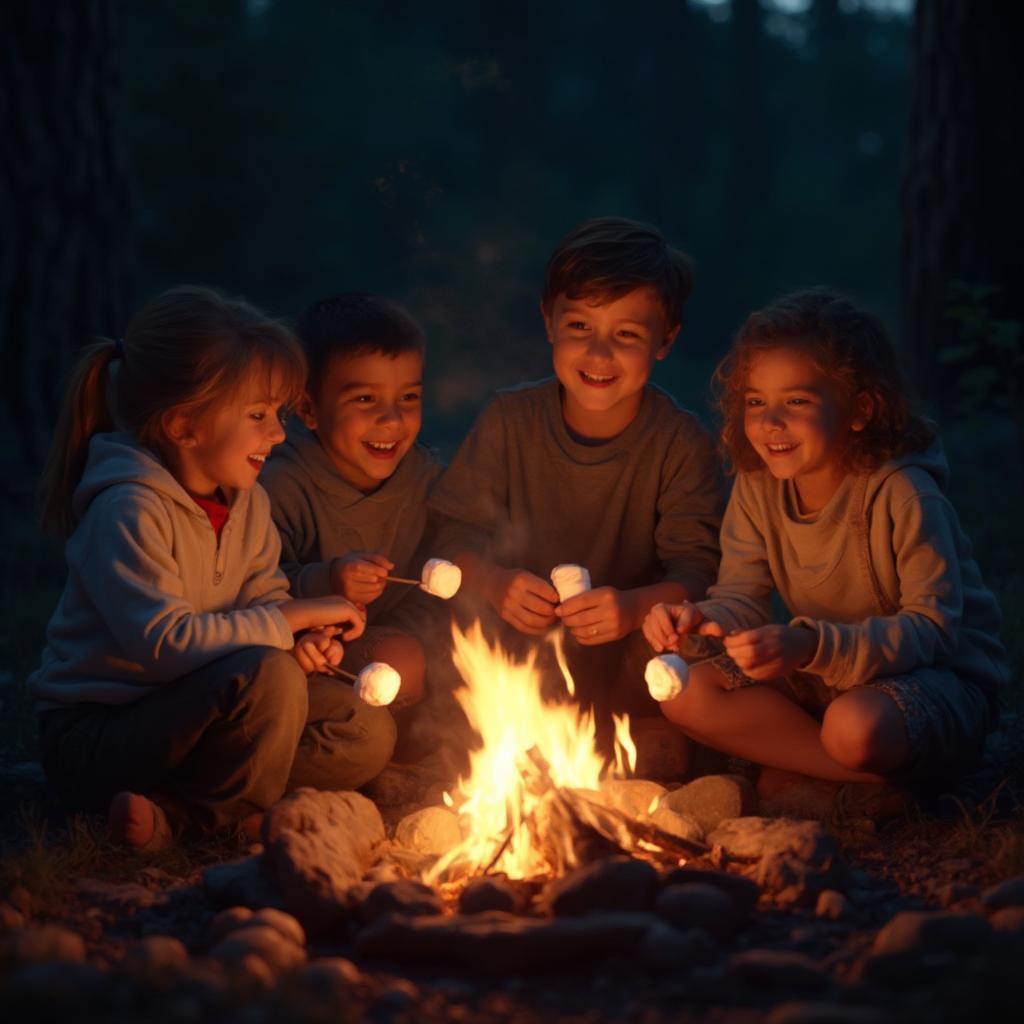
x,y
225,447
603,353
367,411
797,423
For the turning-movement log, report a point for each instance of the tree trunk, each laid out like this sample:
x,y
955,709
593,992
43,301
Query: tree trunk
x,y
963,207
64,203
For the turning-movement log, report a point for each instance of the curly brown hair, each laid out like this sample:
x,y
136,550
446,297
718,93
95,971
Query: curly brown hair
x,y
851,347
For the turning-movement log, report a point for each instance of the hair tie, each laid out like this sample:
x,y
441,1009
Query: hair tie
x,y
119,349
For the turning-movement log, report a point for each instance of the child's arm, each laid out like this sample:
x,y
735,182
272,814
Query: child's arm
x,y
924,630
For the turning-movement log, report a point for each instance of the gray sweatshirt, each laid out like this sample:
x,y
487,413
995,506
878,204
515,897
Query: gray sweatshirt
x,y
638,509
321,516
883,574
151,594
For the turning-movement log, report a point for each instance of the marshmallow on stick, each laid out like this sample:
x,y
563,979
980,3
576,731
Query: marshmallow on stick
x,y
376,684
667,676
570,580
439,577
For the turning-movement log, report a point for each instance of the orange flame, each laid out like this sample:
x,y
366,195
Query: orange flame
x,y
527,746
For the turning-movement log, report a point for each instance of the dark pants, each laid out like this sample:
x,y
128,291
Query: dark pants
x,y
220,743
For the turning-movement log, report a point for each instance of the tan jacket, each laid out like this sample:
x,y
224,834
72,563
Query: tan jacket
x,y
151,595
883,574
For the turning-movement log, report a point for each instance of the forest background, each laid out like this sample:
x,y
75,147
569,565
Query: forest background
x,y
437,152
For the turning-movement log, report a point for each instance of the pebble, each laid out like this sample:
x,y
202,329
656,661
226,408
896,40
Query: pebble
x,y
778,970
832,906
487,893
413,899
156,953
744,892
46,943
1009,893
699,906
949,893
793,881
277,952
917,930
1008,919
676,824
750,838
664,948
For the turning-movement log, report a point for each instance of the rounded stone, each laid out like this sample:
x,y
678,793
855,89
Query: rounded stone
x,y
634,797
712,799
431,830
675,824
157,953
412,899
279,953
699,906
832,906
47,943
227,921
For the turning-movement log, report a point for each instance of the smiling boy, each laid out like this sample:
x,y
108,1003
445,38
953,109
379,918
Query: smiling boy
x,y
594,466
349,486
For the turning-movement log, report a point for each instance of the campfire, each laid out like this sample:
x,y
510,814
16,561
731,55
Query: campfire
x,y
538,799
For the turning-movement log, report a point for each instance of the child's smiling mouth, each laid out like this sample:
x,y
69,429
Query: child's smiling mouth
x,y
597,380
257,460
381,449
780,448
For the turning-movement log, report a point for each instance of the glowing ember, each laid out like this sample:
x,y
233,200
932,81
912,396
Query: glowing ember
x,y
530,749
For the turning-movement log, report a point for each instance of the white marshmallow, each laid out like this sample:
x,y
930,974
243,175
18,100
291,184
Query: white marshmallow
x,y
570,580
441,578
667,676
377,684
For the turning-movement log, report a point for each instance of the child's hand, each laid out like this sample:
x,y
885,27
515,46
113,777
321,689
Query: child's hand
x,y
316,612
523,600
317,648
769,652
598,616
359,575
665,623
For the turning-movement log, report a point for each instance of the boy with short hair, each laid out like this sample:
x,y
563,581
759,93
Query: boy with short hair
x,y
595,466
349,486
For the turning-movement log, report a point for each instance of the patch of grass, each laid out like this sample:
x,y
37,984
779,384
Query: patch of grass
x,y
48,861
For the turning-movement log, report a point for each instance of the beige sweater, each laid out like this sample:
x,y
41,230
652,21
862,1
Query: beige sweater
x,y
638,509
883,575
151,595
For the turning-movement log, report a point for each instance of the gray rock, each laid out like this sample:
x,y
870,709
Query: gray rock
x,y
950,893
712,799
502,944
779,971
832,906
430,830
917,948
318,844
31,986
792,881
829,1013
156,953
227,921
121,897
610,884
487,893
240,883
665,948
751,838
1009,893
39,943
699,906
924,931
262,941
634,797
281,922
413,899
11,917
1008,919
744,892
676,824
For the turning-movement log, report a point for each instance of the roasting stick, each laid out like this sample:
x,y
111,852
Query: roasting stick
x,y
401,579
